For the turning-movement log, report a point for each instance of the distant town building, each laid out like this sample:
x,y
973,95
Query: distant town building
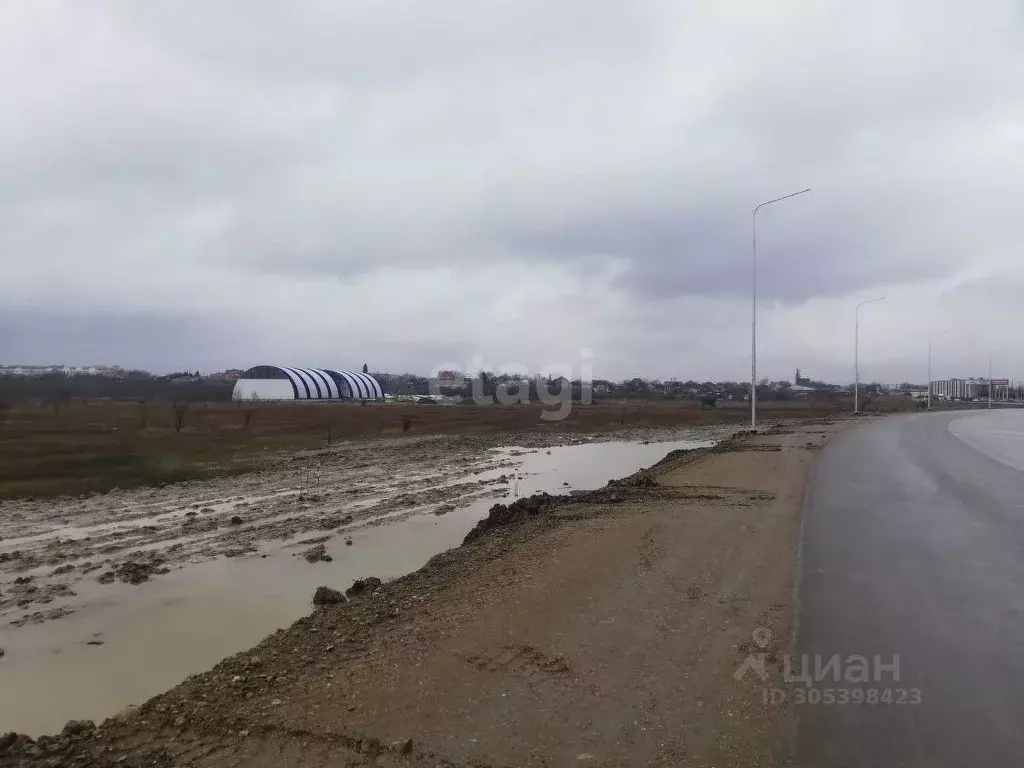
x,y
231,374
969,389
67,370
445,382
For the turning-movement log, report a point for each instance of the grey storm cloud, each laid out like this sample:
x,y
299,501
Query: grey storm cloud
x,y
440,180
98,337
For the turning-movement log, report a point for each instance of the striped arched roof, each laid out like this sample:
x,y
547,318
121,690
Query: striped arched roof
x,y
367,387
323,383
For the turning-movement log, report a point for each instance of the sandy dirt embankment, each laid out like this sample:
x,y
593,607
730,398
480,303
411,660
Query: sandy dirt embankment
x,y
603,629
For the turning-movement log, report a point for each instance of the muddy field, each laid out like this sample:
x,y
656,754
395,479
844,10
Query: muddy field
x,y
75,448
601,629
107,599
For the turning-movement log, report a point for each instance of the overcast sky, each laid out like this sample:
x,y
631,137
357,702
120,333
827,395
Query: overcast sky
x,y
513,184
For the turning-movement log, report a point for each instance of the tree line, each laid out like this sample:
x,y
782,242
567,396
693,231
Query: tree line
x,y
140,386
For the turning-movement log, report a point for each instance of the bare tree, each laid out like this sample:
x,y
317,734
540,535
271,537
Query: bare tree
x,y
178,410
254,398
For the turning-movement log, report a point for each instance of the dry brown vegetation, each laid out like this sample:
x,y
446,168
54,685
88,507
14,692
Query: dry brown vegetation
x,y
87,447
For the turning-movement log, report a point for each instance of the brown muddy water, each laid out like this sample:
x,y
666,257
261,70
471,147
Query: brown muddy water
x,y
78,648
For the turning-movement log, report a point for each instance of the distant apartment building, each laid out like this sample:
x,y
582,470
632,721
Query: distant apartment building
x,y
969,389
953,389
30,370
67,370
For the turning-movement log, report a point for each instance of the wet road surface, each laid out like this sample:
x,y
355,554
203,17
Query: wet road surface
x,y
913,546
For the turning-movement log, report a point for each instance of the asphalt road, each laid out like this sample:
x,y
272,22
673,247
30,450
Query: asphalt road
x,y
913,546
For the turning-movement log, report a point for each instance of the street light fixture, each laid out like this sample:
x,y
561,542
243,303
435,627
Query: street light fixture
x,y
990,352
940,333
990,379
753,307
856,353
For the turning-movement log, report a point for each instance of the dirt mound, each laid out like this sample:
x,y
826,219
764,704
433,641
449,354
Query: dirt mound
x,y
316,554
541,503
15,745
327,596
502,514
132,572
363,586
641,479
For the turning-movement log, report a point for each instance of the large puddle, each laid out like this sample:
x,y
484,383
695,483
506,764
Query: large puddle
x,y
132,642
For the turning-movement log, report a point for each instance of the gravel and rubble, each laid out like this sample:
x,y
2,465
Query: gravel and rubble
x,y
134,536
138,535
662,572
108,599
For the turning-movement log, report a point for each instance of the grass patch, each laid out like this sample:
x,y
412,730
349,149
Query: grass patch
x,y
94,447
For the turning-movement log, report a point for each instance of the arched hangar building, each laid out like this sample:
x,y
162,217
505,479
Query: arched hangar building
x,y
278,382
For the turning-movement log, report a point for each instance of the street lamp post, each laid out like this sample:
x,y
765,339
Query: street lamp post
x,y
991,353
753,307
856,353
940,333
